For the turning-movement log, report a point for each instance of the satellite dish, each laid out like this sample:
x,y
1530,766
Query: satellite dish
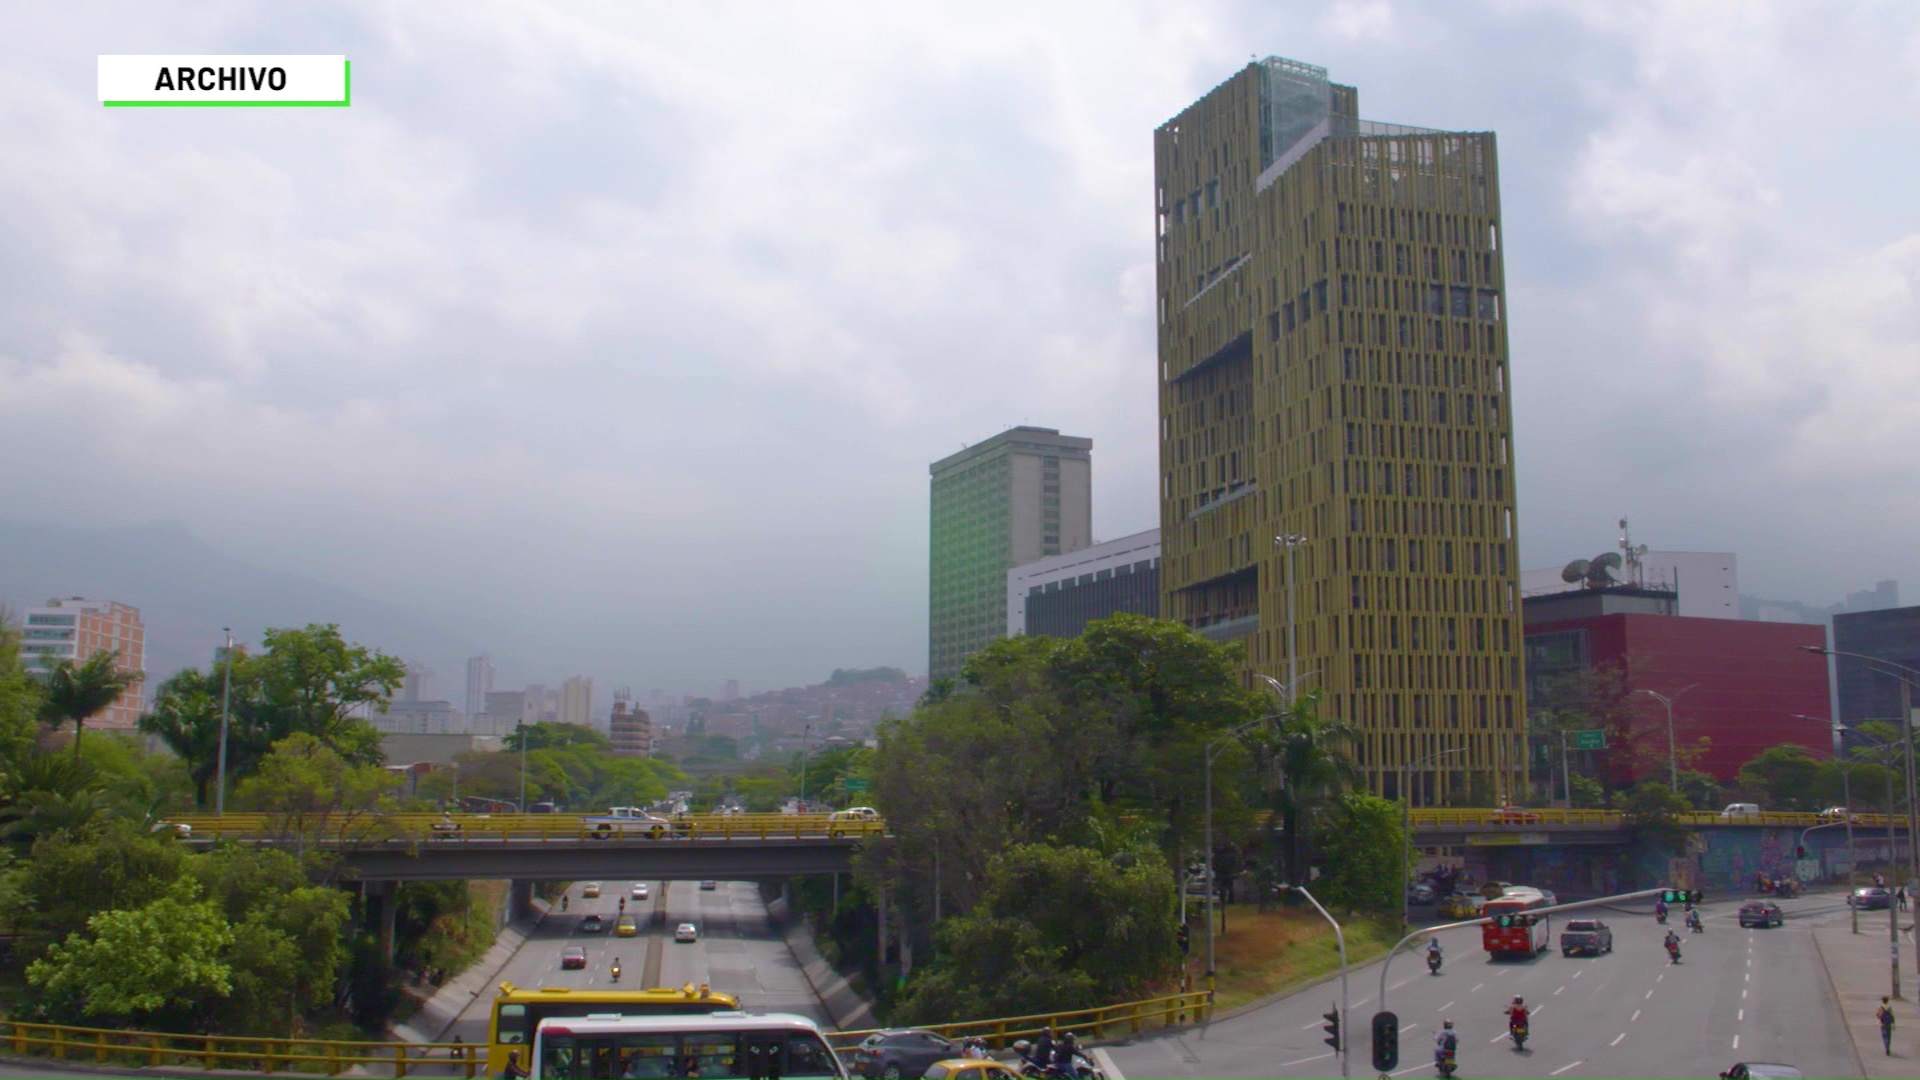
x,y
1574,571
1600,570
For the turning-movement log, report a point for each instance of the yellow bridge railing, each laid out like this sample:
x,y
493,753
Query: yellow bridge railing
x,y
1478,818
154,1049
495,828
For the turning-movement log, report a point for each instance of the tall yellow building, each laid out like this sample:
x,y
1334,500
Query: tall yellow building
x,y
1333,369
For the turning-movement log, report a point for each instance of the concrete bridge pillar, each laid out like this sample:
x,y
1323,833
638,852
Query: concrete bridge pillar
x,y
520,899
382,908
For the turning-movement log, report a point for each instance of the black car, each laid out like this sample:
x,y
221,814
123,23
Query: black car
x,y
1590,936
592,925
1871,898
1761,913
901,1052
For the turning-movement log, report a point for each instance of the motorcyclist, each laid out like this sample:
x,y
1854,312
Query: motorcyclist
x,y
563,901
1673,944
1660,909
1043,1049
1517,1015
1064,1053
1445,1041
616,969
1693,920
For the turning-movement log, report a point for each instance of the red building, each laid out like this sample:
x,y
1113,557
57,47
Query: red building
x,y
1738,684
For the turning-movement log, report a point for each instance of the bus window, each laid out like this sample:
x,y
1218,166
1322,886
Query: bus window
x,y
510,1025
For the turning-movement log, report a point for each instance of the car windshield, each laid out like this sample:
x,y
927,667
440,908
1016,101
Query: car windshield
x,y
1583,924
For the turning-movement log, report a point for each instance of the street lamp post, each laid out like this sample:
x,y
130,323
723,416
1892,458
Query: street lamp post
x,y
226,703
1286,689
1213,752
1907,677
1673,754
1290,541
805,733
1406,825
1340,938
521,730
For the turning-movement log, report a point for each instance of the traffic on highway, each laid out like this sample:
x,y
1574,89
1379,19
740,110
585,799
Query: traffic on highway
x,y
1619,1006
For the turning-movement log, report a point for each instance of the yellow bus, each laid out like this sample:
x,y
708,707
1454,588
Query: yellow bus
x,y
517,1012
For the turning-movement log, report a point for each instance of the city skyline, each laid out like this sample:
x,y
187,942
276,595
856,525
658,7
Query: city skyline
x,y
406,394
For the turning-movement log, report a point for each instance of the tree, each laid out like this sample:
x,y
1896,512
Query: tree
x,y
69,878
19,695
1363,854
1653,811
311,793
1701,789
1309,758
1057,928
186,717
311,680
549,735
80,692
163,960
1782,777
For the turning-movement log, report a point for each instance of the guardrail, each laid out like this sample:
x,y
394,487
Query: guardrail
x,y
495,828
1131,1016
154,1049
1479,818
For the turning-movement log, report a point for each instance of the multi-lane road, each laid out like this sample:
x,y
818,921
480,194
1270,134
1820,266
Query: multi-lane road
x,y
1736,995
738,950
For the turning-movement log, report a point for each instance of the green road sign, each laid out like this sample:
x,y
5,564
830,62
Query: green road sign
x,y
858,783
1589,740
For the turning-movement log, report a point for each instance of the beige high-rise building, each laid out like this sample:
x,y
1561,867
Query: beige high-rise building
x,y
630,729
576,701
75,629
1333,370
1022,495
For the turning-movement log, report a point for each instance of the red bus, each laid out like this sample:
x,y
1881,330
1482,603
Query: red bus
x,y
1512,929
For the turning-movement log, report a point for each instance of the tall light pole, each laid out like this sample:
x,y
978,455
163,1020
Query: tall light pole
x,y
1340,938
805,733
226,705
1213,751
1908,679
1673,754
522,732
1285,689
1290,541
1406,825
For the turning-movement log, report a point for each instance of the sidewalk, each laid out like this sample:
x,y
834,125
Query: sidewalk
x,y
437,1016
850,1009
1857,968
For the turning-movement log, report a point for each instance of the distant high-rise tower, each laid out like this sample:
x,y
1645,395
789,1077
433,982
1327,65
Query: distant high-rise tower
x,y
1333,370
414,686
479,683
576,701
1022,495
731,691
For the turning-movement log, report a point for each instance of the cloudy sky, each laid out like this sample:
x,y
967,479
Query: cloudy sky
x,y
623,333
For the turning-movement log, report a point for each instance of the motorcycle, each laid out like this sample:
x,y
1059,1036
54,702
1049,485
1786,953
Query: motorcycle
x,y
1673,953
1519,1034
1433,962
1660,916
1693,924
616,973
1445,1064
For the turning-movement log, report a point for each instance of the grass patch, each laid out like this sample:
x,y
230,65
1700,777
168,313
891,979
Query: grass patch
x,y
1268,952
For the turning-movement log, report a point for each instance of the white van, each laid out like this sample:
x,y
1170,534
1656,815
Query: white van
x,y
1741,809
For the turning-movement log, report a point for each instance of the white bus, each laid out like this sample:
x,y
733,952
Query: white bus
x,y
717,1046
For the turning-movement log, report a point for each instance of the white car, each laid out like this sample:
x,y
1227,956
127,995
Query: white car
x,y
640,891
856,813
685,932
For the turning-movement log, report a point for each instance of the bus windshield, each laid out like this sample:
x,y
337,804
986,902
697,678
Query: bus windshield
x,y
657,1047
518,1011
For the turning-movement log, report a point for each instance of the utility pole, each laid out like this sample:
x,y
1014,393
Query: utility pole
x,y
226,705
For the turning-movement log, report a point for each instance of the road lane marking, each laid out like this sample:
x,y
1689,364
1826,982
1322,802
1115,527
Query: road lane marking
x,y
1743,995
1564,1068
1742,1017
1399,984
1662,977
1556,993
1447,1006
1579,973
1649,996
1617,1038
1303,1061
1635,1016
1736,1042
1476,988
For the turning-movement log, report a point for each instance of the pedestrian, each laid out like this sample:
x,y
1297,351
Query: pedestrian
x,y
1901,895
513,1071
1885,1016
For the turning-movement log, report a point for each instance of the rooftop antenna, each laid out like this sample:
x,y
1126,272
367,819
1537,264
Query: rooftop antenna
x,y
1635,571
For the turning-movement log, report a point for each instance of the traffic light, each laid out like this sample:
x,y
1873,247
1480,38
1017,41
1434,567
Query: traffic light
x,y
1332,1029
1799,851
1185,938
1386,1041
1681,896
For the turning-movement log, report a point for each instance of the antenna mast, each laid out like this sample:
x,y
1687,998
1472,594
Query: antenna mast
x,y
1636,573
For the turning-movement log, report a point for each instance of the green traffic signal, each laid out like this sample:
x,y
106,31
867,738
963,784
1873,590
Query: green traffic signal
x,y
1386,1041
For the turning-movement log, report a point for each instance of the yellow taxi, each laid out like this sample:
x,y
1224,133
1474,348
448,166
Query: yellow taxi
x,y
1461,906
626,927
969,1069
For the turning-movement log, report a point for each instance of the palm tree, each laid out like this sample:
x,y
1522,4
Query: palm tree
x,y
80,692
1311,757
